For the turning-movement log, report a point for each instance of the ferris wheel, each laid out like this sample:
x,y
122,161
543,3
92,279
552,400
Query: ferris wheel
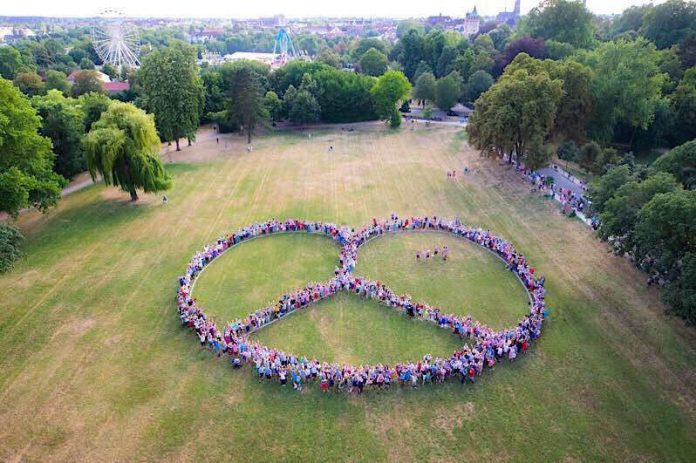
x,y
116,41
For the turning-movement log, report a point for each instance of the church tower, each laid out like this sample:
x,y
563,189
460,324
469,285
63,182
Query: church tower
x,y
516,11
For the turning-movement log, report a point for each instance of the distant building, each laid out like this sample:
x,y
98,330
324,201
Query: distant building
x,y
103,77
266,58
438,20
510,18
12,34
116,87
472,22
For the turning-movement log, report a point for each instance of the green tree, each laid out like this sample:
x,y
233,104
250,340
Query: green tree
x,y
680,294
246,97
445,64
304,108
373,63
173,91
425,87
87,82
575,107
669,23
123,147
683,102
666,228
421,69
63,122
479,82
626,86
110,71
26,164
344,96
561,20
568,151
412,52
10,246
330,58
602,188
29,83
589,154
92,106
515,112
214,93
538,155
10,62
86,64
391,88
448,90
56,80
620,212
680,162
366,43
273,105
630,20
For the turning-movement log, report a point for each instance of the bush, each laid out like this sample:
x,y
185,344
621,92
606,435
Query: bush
x,y
10,243
568,151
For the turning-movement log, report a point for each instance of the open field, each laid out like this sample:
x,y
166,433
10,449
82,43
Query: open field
x,y
95,366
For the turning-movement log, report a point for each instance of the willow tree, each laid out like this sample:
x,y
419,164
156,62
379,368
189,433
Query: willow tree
x,y
123,147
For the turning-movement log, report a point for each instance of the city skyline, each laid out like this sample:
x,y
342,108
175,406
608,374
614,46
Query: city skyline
x,y
307,8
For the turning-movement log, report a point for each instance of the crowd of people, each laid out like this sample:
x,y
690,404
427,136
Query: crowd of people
x,y
570,200
484,346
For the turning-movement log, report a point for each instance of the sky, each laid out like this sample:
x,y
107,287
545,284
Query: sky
x,y
290,8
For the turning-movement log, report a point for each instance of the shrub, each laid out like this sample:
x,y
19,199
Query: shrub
x,y
568,151
10,243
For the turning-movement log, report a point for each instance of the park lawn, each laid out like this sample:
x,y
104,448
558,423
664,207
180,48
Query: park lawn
x,y
95,366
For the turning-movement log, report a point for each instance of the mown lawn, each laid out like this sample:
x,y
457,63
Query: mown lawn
x,y
94,364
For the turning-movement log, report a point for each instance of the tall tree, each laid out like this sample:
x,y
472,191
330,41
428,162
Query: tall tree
x,y
479,82
63,122
666,228
173,91
621,211
448,90
245,98
669,23
29,83
389,91
123,147
26,164
304,108
373,62
684,106
680,162
56,80
10,62
425,87
517,111
93,105
626,85
412,52
561,20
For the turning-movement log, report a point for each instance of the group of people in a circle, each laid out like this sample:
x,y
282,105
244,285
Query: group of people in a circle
x,y
484,348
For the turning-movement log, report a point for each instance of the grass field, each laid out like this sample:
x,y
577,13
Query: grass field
x,y
95,366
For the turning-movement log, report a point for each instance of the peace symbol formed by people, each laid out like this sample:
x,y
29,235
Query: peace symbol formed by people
x,y
482,348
